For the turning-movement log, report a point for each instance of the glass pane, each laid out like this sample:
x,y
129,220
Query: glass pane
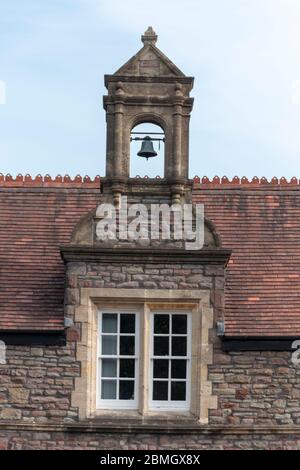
x,y
109,389
179,346
109,322
126,390
178,369
160,390
161,345
161,368
127,345
161,324
127,367
127,323
109,345
179,324
178,391
109,367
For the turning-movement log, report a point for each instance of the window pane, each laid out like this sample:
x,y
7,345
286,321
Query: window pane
x,y
161,368
109,322
161,324
109,345
109,367
160,390
127,345
127,323
178,369
179,324
109,389
127,367
178,391
126,390
179,346
161,345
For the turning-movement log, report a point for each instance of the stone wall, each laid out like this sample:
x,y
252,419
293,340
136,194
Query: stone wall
x,y
36,383
253,388
147,276
214,440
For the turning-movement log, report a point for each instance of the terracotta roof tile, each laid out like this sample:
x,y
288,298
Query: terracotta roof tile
x,y
35,221
258,220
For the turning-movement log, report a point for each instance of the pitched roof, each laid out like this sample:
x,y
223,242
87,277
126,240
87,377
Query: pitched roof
x,y
37,216
258,220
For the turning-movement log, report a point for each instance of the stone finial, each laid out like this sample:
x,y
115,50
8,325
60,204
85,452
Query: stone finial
x,y
149,36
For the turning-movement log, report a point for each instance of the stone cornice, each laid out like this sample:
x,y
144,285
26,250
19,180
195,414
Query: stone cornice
x,y
144,255
145,79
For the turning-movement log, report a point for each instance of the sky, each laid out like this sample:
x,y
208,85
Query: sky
x,y
244,55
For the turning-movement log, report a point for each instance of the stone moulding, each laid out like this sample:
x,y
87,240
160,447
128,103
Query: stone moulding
x,y
145,428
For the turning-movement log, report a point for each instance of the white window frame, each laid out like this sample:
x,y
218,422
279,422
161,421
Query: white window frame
x,y
116,404
169,405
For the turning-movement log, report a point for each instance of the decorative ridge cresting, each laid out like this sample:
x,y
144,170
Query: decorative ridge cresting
x,y
48,181
87,181
244,181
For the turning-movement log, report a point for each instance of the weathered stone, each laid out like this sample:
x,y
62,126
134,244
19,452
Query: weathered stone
x,y
118,277
72,296
241,393
71,280
10,414
131,284
77,268
18,395
37,372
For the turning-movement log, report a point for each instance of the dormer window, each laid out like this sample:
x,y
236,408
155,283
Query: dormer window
x,y
165,353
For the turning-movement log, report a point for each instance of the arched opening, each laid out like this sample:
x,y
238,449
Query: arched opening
x,y
146,140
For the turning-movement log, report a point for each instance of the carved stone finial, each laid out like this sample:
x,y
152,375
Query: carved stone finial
x,y
149,36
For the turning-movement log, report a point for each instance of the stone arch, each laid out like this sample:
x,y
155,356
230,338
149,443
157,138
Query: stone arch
x,y
149,118
82,233
211,236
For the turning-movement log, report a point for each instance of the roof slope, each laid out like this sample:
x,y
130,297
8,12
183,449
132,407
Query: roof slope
x,y
35,221
259,221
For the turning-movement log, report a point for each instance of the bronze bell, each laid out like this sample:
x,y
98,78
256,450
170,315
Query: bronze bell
x,y
147,149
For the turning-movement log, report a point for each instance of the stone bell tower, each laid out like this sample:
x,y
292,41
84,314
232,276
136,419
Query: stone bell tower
x,y
148,88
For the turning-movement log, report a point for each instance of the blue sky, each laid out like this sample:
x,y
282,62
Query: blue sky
x,y
244,55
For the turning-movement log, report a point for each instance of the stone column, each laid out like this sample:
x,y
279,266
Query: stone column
x,y
177,144
118,134
177,140
177,119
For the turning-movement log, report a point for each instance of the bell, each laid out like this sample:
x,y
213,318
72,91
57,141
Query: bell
x,y
147,149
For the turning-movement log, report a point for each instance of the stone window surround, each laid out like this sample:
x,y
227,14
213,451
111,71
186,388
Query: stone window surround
x,y
144,300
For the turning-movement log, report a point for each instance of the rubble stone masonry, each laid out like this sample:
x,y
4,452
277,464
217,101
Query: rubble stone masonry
x,y
258,392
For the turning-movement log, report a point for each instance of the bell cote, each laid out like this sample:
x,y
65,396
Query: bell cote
x,y
148,88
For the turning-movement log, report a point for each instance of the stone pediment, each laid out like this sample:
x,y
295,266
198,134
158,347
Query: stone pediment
x,y
149,61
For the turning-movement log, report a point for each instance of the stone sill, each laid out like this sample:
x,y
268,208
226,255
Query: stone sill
x,y
148,428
